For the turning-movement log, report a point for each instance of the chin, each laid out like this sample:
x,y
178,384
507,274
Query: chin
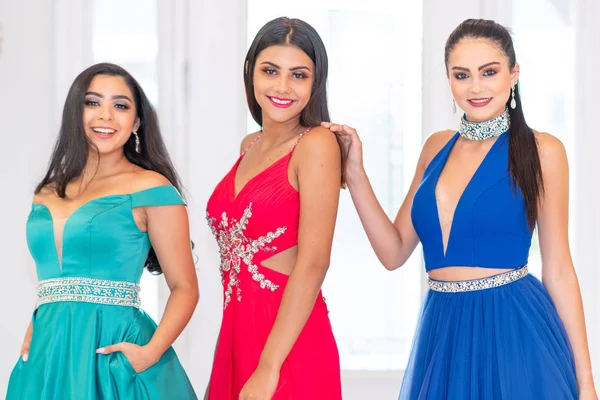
x,y
484,113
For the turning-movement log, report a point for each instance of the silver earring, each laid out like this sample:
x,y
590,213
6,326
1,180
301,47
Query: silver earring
x,y
137,142
513,102
453,106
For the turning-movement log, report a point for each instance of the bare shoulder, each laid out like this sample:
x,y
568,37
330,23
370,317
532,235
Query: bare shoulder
x,y
433,144
247,140
144,179
48,191
551,149
318,139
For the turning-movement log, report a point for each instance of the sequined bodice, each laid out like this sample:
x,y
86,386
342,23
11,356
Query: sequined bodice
x,y
489,227
99,240
257,224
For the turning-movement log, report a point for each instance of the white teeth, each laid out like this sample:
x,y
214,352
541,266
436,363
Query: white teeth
x,y
103,130
479,101
280,101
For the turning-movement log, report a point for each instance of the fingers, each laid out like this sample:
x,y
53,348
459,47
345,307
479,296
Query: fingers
x,y
339,128
110,349
25,351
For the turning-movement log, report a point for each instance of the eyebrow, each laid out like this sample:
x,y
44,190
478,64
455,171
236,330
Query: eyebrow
x,y
291,69
480,68
117,97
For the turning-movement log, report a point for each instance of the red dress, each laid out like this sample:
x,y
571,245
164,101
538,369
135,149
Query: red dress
x,y
250,228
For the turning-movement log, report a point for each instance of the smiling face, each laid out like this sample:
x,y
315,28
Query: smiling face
x,y
283,78
109,113
480,78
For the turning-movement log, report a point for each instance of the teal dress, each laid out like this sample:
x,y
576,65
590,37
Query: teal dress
x,y
90,300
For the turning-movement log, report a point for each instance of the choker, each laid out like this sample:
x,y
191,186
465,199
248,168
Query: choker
x,y
486,129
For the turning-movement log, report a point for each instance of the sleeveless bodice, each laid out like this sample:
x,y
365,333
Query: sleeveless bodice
x,y
100,239
489,228
261,221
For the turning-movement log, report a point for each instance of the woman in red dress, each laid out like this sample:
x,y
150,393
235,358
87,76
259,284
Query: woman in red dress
x,y
273,216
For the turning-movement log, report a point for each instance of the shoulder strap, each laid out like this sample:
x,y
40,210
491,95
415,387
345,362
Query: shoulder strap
x,y
157,196
251,143
300,137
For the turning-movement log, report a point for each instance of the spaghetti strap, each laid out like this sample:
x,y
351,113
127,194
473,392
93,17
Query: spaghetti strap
x,y
252,143
299,137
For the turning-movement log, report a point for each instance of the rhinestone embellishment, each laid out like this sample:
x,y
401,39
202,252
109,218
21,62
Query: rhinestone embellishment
x,y
88,290
486,129
478,284
235,247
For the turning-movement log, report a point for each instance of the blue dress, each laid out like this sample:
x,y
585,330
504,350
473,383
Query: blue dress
x,y
90,300
491,338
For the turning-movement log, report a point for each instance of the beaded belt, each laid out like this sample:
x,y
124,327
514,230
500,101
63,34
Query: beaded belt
x,y
478,284
88,290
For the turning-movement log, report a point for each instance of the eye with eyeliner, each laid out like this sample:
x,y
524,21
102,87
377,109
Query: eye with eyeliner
x,y
270,71
299,75
91,102
460,76
489,72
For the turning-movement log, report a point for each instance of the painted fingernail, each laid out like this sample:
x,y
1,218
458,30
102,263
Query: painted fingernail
x,y
25,357
100,350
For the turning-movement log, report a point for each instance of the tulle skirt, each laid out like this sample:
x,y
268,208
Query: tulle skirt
x,y
504,342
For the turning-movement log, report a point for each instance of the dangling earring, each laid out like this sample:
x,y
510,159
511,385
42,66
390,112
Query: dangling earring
x,y
453,106
137,142
513,102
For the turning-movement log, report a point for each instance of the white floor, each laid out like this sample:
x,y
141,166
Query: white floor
x,y
371,385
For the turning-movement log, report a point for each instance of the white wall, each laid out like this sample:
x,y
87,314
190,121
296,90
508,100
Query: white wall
x,y
215,125
27,126
587,144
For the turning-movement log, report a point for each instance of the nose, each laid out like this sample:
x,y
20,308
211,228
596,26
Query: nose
x,y
476,86
283,84
106,112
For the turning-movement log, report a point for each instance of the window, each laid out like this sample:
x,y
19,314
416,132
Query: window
x,y
374,51
545,48
125,33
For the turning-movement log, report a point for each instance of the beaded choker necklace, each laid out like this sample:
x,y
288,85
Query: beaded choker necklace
x,y
486,129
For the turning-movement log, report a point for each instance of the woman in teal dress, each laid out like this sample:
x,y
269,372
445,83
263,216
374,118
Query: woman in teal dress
x,y
108,206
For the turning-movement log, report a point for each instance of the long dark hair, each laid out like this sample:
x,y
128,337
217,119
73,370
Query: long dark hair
x,y
291,31
70,155
523,155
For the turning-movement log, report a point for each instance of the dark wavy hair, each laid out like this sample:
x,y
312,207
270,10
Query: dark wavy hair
x,y
70,155
523,155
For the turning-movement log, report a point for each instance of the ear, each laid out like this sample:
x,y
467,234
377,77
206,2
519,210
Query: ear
x,y
514,75
136,125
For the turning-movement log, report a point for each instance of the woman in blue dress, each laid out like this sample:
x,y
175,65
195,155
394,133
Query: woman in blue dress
x,y
488,329
108,206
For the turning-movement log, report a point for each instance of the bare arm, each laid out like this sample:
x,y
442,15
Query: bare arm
x,y
559,275
393,243
319,178
168,229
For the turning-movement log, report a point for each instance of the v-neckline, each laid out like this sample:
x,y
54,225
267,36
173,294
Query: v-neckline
x,y
59,258
249,181
441,165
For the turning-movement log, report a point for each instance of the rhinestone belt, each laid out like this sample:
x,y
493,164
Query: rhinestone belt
x,y
478,284
88,290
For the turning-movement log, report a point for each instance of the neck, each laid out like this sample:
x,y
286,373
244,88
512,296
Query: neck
x,y
275,133
99,166
485,129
